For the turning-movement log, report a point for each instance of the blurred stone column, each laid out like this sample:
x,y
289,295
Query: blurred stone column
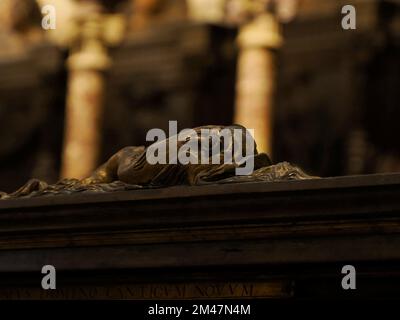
x,y
87,65
258,41
84,107
83,117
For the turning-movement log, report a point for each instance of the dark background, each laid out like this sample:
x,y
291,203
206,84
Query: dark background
x,y
336,113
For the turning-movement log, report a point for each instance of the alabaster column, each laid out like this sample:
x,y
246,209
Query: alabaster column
x,y
83,118
84,108
255,87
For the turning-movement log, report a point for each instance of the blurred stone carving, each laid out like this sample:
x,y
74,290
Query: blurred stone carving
x,y
145,14
20,26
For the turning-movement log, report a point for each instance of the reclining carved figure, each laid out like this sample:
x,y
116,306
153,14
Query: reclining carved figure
x,y
129,169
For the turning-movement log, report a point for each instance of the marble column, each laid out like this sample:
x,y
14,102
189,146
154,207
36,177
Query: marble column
x,y
258,41
87,65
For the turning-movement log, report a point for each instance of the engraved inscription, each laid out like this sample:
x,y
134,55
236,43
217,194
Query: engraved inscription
x,y
201,290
